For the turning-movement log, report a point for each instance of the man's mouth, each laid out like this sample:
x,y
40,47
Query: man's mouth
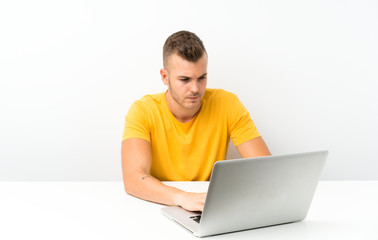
x,y
193,97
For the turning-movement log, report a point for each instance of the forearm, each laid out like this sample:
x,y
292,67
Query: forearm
x,y
136,163
151,189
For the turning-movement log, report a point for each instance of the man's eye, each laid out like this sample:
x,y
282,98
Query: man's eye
x,y
184,79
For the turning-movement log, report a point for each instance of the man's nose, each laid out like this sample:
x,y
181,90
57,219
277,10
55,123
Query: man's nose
x,y
194,86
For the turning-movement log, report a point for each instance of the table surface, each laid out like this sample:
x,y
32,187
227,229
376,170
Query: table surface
x,y
102,210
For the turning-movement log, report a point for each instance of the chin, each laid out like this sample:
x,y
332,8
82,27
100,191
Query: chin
x,y
188,105
192,106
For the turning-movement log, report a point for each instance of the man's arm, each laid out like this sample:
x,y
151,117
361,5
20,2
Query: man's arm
x,y
136,164
253,148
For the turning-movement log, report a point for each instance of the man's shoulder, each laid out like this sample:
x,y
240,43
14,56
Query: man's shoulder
x,y
218,94
151,99
148,104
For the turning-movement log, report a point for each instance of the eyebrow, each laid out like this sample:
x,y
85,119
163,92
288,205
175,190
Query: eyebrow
x,y
182,76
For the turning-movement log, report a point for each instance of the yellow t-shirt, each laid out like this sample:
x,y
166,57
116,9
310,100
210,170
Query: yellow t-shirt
x,y
188,151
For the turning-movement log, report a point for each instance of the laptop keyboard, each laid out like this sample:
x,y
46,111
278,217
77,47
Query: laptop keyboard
x,y
196,218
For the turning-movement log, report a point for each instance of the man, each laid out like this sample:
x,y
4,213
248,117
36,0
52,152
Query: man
x,y
179,135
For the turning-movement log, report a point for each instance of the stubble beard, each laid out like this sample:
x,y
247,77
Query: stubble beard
x,y
182,103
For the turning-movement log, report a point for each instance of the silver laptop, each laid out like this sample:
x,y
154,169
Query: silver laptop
x,y
254,192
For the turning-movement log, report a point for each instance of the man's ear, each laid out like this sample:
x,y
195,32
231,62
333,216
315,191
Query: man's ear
x,y
164,76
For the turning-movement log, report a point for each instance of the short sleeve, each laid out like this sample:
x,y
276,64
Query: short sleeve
x,y
137,123
241,126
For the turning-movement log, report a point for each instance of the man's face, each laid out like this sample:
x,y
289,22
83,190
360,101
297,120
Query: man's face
x,y
186,81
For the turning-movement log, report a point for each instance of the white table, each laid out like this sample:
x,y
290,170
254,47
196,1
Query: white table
x,y
102,210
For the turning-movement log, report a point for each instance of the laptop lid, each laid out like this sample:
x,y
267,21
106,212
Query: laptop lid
x,y
255,192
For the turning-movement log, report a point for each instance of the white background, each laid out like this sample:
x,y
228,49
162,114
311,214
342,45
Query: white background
x,y
306,70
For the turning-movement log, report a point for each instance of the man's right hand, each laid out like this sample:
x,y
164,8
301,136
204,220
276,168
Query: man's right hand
x,y
191,201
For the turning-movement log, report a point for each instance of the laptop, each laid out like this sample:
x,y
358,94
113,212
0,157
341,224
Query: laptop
x,y
253,193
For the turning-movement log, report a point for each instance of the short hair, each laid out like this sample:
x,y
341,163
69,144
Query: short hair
x,y
185,44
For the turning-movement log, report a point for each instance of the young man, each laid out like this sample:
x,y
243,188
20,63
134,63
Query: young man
x,y
179,135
